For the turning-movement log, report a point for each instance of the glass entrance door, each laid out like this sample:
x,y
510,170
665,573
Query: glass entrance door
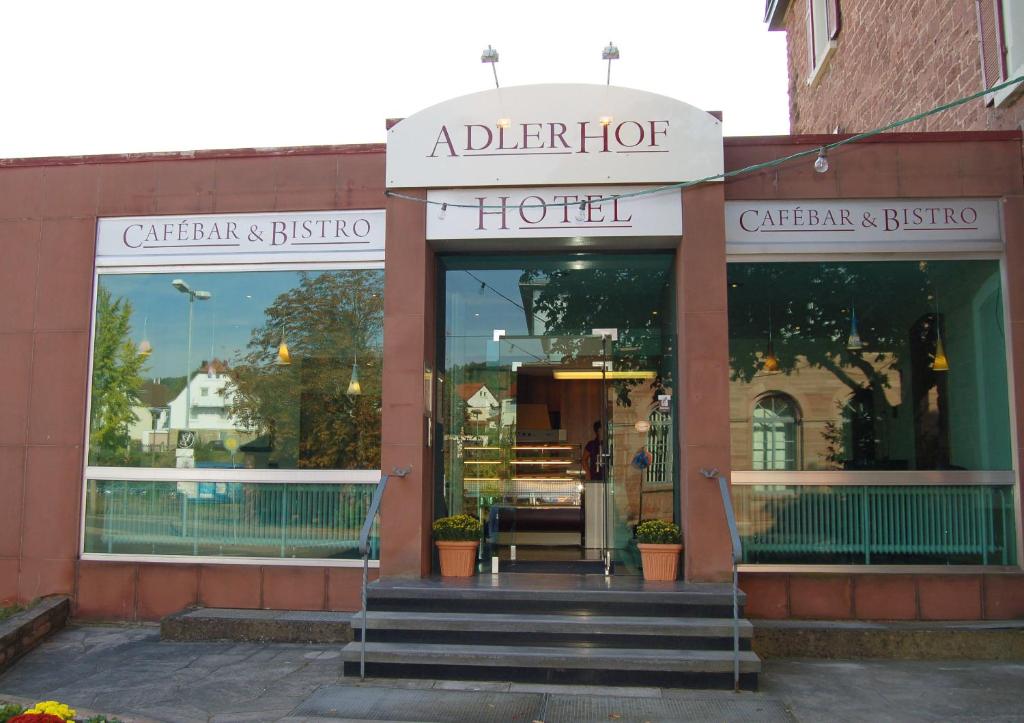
x,y
552,368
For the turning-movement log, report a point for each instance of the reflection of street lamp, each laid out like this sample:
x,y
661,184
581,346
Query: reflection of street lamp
x,y
184,288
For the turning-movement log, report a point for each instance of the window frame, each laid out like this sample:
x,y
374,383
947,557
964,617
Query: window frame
x,y
1010,48
167,474
818,18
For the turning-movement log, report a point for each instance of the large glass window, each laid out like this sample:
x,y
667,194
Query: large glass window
x,y
263,370
235,413
869,412
895,365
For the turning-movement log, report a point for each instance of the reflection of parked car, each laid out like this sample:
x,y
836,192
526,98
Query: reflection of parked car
x,y
216,445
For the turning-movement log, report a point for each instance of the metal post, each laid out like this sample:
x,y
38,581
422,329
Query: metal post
x,y
364,550
188,364
737,555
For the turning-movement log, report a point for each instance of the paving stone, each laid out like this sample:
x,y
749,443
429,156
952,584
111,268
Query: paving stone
x,y
390,704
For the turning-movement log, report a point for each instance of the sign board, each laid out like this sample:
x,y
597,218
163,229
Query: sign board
x,y
554,134
906,224
553,212
235,238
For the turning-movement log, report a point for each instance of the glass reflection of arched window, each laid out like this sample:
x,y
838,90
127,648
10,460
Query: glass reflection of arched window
x,y
775,433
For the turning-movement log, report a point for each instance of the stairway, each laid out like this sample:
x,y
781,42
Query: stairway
x,y
567,629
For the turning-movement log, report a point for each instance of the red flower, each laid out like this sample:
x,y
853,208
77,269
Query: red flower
x,y
35,718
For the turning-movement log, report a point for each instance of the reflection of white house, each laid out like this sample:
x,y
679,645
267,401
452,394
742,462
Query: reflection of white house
x,y
211,398
481,404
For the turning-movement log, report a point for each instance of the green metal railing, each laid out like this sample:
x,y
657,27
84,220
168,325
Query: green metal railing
x,y
227,519
877,524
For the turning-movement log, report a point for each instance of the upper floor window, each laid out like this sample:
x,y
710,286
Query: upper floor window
x,y
1001,39
822,31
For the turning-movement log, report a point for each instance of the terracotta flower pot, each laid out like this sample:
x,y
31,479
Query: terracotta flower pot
x,y
660,562
458,559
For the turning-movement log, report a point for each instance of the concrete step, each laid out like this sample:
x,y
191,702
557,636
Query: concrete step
x,y
276,626
567,595
556,630
548,664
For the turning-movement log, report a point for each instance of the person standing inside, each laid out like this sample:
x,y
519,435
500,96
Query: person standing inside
x,y
592,456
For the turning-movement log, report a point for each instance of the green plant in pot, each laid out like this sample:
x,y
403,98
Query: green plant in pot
x,y
457,538
660,546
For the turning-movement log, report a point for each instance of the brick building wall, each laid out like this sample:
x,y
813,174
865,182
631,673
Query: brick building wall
x,y
894,58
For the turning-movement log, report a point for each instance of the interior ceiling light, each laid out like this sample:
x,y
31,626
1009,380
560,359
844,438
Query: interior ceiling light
x,y
568,374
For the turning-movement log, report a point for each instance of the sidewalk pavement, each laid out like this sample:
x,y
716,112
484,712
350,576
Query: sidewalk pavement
x,y
127,671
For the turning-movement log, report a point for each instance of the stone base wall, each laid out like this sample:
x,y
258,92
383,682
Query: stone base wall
x,y
22,632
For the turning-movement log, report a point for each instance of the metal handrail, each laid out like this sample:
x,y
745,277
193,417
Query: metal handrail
x,y
364,550
737,555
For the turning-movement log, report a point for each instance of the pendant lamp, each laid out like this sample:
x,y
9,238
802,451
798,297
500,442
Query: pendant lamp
x,y
853,342
771,362
284,358
145,348
940,363
354,388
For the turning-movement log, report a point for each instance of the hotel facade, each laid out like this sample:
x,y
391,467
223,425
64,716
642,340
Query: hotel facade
x,y
211,358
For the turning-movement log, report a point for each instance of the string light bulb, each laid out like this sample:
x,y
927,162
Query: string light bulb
x,y
581,212
504,123
443,212
821,162
606,120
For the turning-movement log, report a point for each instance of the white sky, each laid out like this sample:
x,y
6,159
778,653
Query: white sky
x,y
103,76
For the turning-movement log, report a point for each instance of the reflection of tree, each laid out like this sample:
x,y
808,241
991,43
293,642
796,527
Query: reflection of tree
x,y
327,320
116,381
626,297
811,322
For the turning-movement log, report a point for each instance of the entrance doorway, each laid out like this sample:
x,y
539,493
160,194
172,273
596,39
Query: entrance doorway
x,y
557,412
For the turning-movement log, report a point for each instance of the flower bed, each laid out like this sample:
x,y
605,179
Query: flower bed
x,y
46,711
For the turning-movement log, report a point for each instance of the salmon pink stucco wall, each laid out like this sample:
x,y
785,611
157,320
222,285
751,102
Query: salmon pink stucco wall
x,y
48,212
904,165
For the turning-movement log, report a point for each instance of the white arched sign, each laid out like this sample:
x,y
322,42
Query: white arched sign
x,y
554,134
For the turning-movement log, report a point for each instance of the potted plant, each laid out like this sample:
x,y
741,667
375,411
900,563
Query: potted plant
x,y
659,545
457,538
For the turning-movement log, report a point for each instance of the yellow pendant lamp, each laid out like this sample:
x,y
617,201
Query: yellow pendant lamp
x,y
771,362
284,358
940,363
